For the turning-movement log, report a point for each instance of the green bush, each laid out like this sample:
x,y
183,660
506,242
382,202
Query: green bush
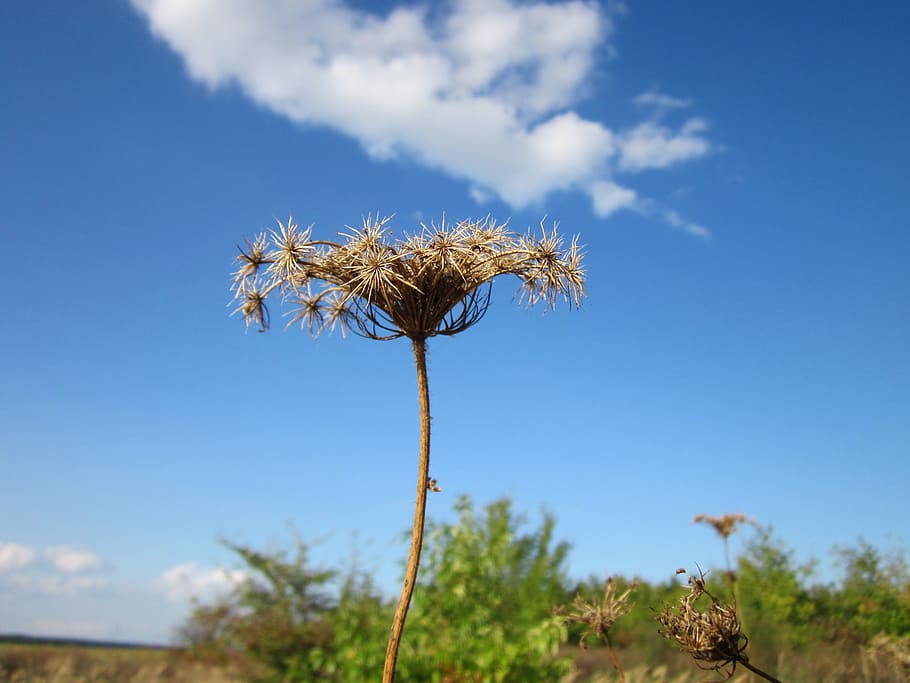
x,y
775,607
277,622
483,610
872,598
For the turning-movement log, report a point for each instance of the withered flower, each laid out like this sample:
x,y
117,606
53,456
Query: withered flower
x,y
599,617
709,631
725,525
434,282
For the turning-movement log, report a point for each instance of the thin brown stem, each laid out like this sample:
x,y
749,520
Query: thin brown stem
x,y
423,476
614,659
759,672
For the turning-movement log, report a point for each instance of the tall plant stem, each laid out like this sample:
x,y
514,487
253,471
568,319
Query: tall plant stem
x,y
614,659
420,509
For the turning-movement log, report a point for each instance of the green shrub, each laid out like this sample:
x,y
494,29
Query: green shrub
x,y
277,621
776,608
483,610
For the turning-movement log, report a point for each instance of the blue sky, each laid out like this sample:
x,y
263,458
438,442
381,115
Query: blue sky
x,y
736,172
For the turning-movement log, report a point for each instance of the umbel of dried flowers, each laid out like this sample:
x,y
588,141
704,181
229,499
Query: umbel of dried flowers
x,y
711,633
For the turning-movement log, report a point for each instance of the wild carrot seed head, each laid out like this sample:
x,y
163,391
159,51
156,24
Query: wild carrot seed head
x,y
433,282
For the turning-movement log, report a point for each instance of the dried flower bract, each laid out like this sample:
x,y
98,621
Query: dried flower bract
x,y
710,634
725,525
599,617
434,282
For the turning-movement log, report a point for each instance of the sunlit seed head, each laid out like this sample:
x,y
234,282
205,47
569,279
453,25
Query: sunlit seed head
x,y
432,282
598,616
725,525
706,628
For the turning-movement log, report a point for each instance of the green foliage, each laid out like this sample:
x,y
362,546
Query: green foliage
x,y
773,602
483,610
278,618
873,597
361,629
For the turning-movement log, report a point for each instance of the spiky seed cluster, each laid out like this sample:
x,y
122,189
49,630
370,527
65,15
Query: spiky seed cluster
x,y
599,617
434,282
711,635
725,525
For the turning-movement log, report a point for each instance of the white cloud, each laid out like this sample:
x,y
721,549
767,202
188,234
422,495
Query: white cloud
x,y
655,98
674,220
650,145
54,571
15,556
55,584
479,89
71,560
188,580
608,197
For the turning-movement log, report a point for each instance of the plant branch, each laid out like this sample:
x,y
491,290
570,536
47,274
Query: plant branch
x,y
423,478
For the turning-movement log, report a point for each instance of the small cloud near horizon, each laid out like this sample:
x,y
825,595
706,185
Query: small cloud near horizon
x,y
55,570
15,556
71,560
189,581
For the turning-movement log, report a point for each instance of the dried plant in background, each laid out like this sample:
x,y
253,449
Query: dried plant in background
x,y
599,618
435,282
725,526
711,635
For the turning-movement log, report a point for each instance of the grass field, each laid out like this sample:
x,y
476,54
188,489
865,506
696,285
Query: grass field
x,y
20,663
81,664
38,663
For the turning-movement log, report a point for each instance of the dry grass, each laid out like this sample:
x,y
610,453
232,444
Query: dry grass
x,y
646,674
883,661
73,664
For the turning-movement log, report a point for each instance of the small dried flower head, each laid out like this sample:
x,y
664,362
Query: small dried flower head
x,y
599,617
725,525
434,282
251,257
252,305
710,632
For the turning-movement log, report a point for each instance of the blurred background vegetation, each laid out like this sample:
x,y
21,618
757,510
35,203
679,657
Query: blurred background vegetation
x,y
490,607
487,608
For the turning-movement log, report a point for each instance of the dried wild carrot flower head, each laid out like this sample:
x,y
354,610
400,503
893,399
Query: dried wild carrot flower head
x,y
709,633
725,525
599,617
434,282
